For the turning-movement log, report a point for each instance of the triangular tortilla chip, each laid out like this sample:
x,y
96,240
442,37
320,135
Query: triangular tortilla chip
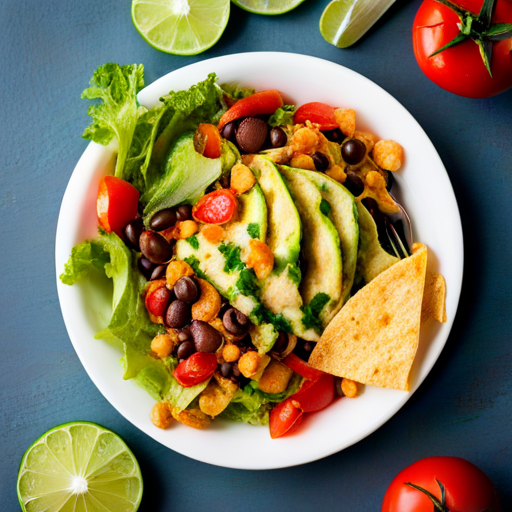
x,y
374,338
434,298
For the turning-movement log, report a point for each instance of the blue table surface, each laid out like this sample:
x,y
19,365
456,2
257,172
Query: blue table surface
x,y
48,52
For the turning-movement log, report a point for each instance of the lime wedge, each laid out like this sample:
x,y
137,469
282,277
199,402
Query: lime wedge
x,y
267,6
79,467
182,27
343,22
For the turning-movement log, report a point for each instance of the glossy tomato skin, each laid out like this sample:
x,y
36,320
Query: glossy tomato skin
x,y
316,395
196,369
460,69
467,488
318,113
300,366
284,418
217,207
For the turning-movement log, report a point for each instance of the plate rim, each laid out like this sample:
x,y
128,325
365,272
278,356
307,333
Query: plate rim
x,y
390,412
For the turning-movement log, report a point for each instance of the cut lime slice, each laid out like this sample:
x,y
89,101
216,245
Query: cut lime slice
x,y
79,467
267,6
182,27
343,22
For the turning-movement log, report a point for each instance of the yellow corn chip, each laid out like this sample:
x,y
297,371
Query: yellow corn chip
x,y
434,298
374,338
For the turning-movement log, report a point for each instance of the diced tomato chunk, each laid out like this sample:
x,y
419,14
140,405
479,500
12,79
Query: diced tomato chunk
x,y
302,368
316,395
284,418
207,141
318,113
117,204
196,369
217,207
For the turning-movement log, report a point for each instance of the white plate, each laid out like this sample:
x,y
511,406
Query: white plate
x,y
425,191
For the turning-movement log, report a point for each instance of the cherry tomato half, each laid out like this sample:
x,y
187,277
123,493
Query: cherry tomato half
x,y
207,141
284,418
302,368
263,102
316,395
117,204
467,488
318,113
196,369
217,207
460,69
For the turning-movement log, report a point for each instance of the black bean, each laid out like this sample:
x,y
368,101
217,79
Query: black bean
x,y
251,134
164,219
226,369
184,334
308,347
337,386
132,232
206,338
278,137
354,183
334,135
185,350
184,212
146,267
229,131
236,371
235,322
353,151
281,343
155,247
186,289
158,272
178,314
321,161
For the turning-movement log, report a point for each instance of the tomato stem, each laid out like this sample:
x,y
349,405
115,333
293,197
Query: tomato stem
x,y
478,27
439,506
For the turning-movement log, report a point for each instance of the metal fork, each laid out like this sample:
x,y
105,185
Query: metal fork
x,y
400,250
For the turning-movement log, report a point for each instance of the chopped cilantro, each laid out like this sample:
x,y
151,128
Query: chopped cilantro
x,y
294,273
232,256
325,207
283,115
247,283
260,314
311,318
194,263
193,241
254,230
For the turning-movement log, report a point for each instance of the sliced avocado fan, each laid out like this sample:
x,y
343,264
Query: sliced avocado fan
x,y
280,290
340,206
321,285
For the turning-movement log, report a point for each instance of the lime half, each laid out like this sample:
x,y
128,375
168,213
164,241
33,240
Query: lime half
x,y
182,27
343,22
79,467
268,6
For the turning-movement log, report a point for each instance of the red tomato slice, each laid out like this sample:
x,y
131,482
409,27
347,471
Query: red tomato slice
x,y
264,102
207,141
318,113
284,418
217,207
117,204
302,368
196,369
317,395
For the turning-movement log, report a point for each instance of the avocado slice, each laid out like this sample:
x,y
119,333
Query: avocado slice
x,y
372,259
279,292
221,265
340,206
321,286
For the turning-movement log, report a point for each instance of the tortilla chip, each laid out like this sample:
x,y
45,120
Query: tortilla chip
x,y
434,298
374,338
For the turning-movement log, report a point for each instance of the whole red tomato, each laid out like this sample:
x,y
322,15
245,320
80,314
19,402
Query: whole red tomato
x,y
455,483
461,69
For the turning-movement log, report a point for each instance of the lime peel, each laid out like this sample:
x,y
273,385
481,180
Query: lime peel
x,y
268,7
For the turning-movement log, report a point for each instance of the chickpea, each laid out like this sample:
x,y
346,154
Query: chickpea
x,y
213,233
259,257
161,415
208,305
242,179
185,229
230,353
302,161
337,173
349,388
217,395
251,364
346,119
175,270
388,154
162,345
194,418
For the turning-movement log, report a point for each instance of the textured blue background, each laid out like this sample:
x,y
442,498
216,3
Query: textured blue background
x,y
48,52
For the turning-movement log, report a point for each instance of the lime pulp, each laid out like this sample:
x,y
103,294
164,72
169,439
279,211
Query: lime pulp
x,y
268,6
181,27
79,467
343,22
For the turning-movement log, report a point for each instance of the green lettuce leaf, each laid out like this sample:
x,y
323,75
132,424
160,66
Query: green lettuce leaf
x,y
282,116
116,116
234,92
